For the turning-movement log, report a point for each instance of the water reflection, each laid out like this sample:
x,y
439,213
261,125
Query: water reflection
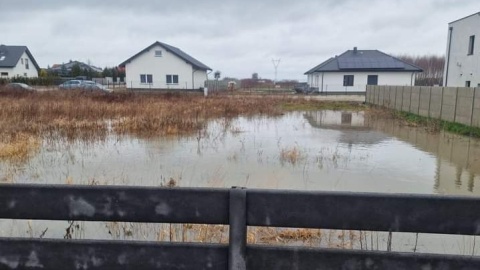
x,y
351,124
337,151
457,166
458,158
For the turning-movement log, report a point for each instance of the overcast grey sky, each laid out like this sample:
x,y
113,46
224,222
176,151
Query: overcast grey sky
x,y
235,37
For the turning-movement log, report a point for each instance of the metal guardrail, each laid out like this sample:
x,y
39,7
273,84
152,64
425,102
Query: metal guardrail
x,y
238,208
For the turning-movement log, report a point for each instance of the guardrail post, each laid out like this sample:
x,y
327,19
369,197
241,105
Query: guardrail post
x,y
237,250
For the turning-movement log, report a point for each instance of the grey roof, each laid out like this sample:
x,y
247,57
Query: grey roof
x,y
69,66
364,60
12,54
176,51
461,19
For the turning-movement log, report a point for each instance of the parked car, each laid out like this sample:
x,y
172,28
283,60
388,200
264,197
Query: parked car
x,y
303,88
91,85
19,86
72,84
81,84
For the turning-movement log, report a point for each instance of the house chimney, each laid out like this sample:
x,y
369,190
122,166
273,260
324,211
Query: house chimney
x,y
354,50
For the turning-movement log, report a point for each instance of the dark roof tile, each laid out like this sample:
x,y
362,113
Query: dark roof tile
x,y
10,56
176,51
364,60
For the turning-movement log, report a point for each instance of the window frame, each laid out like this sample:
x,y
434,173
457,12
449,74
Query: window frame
x,y
348,80
158,53
468,83
27,66
471,45
172,79
371,76
146,78
3,74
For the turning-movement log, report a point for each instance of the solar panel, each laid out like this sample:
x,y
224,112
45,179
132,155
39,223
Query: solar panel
x,y
362,62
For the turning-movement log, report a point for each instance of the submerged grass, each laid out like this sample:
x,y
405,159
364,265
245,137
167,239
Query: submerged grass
x,y
437,125
19,147
291,155
331,105
76,114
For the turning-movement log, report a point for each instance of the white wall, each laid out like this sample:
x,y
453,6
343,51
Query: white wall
x,y
200,76
462,67
333,81
20,69
160,67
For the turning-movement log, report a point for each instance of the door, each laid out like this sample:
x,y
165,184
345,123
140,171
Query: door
x,y
372,80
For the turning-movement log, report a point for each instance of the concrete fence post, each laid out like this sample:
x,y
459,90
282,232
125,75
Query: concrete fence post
x,y
410,105
419,99
430,101
390,100
441,103
455,107
395,100
473,105
401,102
384,91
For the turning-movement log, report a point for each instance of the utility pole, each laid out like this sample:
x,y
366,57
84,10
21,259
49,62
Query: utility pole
x,y
276,62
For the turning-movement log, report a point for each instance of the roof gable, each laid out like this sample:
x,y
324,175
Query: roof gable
x,y
10,55
364,60
466,17
174,50
69,66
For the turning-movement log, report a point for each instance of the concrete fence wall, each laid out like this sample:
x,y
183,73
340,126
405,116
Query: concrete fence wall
x,y
454,104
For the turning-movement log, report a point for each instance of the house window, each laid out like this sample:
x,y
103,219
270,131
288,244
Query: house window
x,y
26,63
467,84
471,45
172,79
146,78
4,74
348,80
158,53
21,60
372,80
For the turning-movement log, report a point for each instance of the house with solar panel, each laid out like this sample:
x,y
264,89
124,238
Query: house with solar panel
x,y
354,69
17,61
162,66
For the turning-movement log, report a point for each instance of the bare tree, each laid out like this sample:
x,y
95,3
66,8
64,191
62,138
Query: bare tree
x,y
432,65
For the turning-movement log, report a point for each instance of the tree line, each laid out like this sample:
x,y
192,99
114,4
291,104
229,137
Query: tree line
x,y
432,65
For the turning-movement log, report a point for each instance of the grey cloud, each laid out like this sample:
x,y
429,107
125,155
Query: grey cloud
x,y
236,37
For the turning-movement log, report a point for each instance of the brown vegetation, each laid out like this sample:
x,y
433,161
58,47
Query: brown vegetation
x,y
79,114
432,66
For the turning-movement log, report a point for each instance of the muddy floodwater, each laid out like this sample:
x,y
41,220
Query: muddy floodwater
x,y
324,150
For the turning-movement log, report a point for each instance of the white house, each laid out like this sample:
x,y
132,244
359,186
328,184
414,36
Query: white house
x,y
17,61
354,69
161,66
462,65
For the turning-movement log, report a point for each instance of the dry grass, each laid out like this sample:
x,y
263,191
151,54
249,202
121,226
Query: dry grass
x,y
18,147
76,114
291,155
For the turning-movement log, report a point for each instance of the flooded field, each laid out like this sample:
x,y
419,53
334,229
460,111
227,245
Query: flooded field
x,y
315,150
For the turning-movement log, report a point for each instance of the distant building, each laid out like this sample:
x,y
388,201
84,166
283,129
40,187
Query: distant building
x,y
462,65
162,66
354,69
17,61
66,69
